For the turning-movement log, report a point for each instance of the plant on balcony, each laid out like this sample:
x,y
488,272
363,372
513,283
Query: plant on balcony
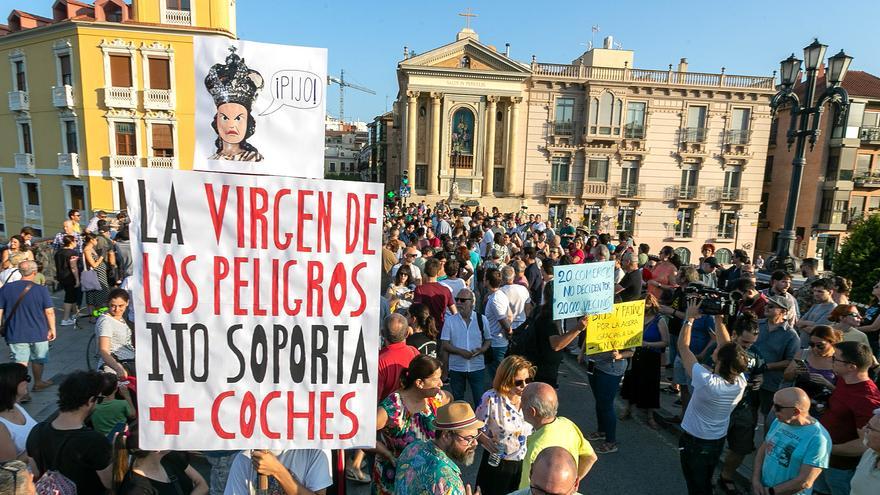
x,y
859,257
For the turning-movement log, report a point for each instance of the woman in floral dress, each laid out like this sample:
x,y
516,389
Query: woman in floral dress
x,y
506,429
405,416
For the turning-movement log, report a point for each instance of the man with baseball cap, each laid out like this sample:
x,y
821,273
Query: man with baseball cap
x,y
708,271
429,466
777,343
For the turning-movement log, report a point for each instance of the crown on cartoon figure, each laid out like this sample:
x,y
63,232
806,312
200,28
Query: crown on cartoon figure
x,y
233,82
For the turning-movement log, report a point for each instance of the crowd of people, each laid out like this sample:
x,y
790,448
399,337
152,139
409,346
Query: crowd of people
x,y
470,364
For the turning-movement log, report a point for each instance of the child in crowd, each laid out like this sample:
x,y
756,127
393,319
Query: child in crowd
x,y
116,408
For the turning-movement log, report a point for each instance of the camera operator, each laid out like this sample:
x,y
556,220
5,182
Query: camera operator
x,y
777,343
676,310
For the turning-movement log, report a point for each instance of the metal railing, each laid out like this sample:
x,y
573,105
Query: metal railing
x,y
158,99
562,188
115,96
867,179
869,133
563,128
729,194
725,231
628,190
694,134
653,76
19,101
737,136
634,131
177,17
686,193
62,96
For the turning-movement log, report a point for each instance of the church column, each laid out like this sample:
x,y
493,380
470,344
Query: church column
x,y
512,171
412,116
489,162
434,161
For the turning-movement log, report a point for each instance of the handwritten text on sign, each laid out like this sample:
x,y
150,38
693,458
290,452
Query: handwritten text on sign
x,y
619,329
256,310
584,289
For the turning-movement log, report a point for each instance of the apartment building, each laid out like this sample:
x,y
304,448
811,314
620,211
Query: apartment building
x,y
672,156
841,179
96,88
343,145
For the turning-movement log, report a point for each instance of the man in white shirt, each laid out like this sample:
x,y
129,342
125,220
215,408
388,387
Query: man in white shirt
x,y
498,314
301,471
517,296
465,338
488,240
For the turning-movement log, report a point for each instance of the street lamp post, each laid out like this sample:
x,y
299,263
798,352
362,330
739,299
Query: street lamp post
x,y
805,119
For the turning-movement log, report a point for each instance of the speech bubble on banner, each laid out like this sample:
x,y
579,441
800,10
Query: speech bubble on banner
x,y
584,289
619,329
294,88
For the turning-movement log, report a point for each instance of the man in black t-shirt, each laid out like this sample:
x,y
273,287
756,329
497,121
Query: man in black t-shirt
x,y
66,445
533,274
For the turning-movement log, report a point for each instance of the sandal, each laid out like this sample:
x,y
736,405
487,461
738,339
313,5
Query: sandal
x,y
595,436
356,475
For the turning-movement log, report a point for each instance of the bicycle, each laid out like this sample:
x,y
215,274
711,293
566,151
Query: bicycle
x,y
92,357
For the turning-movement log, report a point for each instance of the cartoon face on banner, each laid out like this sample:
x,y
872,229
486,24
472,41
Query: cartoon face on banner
x,y
259,108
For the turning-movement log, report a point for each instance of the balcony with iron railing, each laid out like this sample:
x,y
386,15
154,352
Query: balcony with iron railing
x,y
120,97
118,163
728,194
737,136
684,193
694,134
725,231
19,101
867,179
870,134
562,189
62,96
177,17
24,163
634,131
628,190
653,77
68,164
562,128
158,99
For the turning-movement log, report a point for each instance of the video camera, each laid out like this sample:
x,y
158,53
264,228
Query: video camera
x,y
713,301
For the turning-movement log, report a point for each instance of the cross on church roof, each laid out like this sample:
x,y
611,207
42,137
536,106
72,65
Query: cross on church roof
x,y
467,15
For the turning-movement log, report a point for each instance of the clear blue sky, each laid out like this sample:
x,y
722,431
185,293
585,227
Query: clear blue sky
x,y
366,39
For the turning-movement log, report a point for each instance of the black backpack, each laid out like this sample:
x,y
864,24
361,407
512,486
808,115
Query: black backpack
x,y
524,340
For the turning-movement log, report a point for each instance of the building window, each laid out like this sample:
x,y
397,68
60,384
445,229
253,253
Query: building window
x,y
774,129
768,169
684,223
592,217
177,4
857,207
635,120
563,118
559,168
333,166
738,131
629,178
626,219
20,75
762,210
732,178
462,138
464,62
497,180
76,197
724,256
126,139
71,142
688,185
112,12
27,145
684,254
120,71
32,193
832,166
863,165
696,125
422,177
727,225
605,114
66,71
597,170
160,73
834,211
163,140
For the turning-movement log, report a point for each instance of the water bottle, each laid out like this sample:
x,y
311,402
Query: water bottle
x,y
495,459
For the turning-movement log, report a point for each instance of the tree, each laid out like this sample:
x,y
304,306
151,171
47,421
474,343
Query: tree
x,y
859,258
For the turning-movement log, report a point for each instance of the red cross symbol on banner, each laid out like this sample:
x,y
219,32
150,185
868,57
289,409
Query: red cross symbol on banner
x,y
171,414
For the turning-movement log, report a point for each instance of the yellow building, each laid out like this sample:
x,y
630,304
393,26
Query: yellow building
x,y
92,90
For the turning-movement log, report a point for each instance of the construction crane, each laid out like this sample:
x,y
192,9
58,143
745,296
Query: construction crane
x,y
342,85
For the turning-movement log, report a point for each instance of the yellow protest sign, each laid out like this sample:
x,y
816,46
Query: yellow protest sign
x,y
619,329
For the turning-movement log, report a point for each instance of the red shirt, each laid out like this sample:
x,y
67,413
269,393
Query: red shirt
x,y
437,297
393,359
756,307
849,408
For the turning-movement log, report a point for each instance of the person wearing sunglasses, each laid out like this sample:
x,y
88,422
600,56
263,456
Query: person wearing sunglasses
x,y
15,422
812,367
795,450
16,479
778,343
65,444
846,319
506,430
867,476
465,339
851,405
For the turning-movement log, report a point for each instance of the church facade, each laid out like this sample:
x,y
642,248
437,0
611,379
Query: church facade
x,y
670,156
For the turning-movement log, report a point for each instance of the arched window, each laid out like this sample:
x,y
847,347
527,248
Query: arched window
x,y
464,62
605,114
684,254
462,137
723,256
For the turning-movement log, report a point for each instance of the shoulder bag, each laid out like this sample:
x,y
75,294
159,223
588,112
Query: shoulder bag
x,y
14,307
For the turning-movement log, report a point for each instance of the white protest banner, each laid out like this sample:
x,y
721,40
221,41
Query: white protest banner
x,y
583,289
256,310
260,107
